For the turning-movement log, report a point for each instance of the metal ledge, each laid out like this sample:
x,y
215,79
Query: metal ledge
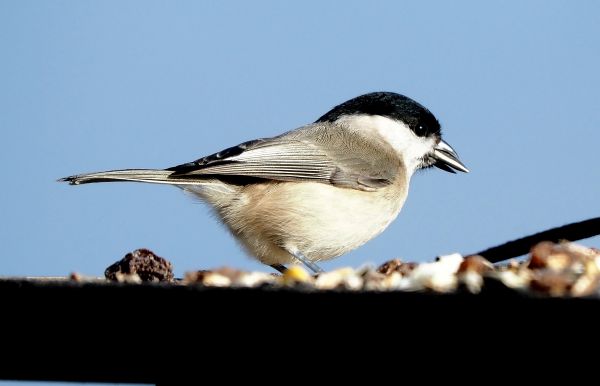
x,y
58,330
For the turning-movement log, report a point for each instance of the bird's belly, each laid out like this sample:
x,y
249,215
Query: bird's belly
x,y
319,220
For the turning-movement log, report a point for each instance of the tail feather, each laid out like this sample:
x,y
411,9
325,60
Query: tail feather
x,y
155,176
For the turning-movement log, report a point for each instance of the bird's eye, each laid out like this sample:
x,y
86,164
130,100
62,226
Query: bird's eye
x,y
420,130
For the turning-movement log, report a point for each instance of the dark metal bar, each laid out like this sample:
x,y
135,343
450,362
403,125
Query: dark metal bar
x,y
571,232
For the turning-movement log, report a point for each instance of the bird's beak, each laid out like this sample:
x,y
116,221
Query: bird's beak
x,y
447,159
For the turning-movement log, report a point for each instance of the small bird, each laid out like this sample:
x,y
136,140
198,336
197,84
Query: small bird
x,y
316,192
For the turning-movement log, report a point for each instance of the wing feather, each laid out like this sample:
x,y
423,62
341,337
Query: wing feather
x,y
312,153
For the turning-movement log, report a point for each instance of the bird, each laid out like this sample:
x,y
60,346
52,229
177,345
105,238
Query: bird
x,y
316,192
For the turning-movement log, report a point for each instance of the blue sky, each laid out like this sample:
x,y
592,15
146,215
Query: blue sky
x,y
89,86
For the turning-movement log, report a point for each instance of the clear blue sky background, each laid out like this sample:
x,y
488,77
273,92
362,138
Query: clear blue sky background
x,y
88,86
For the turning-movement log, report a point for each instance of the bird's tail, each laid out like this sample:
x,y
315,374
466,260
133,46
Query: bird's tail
x,y
155,176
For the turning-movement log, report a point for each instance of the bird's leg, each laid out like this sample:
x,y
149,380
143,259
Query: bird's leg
x,y
303,259
309,264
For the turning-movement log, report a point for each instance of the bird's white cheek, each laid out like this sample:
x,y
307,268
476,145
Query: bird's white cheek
x,y
409,147
413,155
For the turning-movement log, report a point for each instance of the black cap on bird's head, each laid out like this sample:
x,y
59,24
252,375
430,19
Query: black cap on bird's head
x,y
391,105
401,108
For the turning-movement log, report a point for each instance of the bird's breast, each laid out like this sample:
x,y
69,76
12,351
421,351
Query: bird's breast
x,y
320,220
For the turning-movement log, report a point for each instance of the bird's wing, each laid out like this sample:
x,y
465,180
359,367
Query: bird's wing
x,y
312,153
